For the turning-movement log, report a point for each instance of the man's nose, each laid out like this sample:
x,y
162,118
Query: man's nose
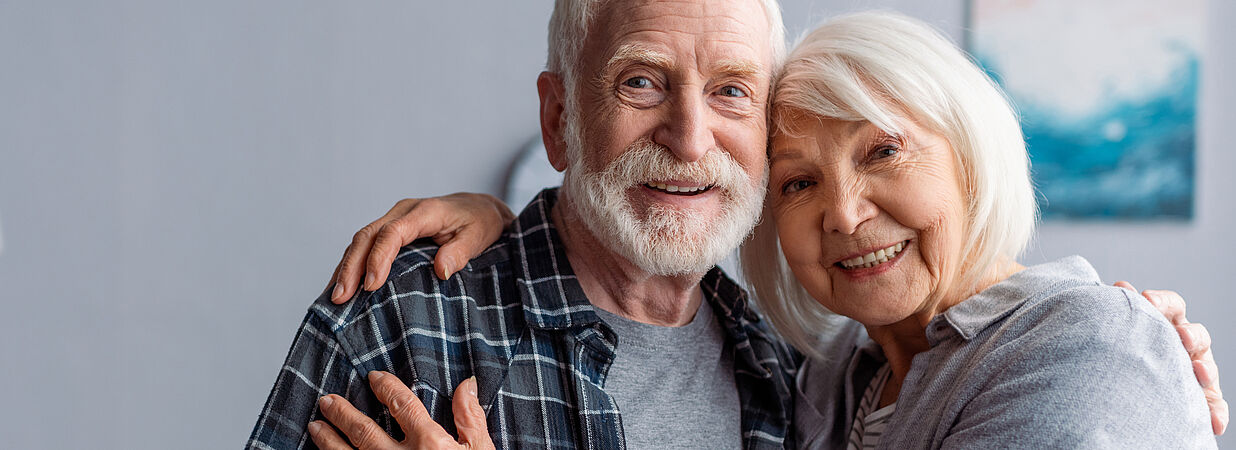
x,y
688,130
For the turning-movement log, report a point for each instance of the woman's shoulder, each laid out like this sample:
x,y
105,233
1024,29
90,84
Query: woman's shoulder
x,y
1054,297
1068,294
1054,353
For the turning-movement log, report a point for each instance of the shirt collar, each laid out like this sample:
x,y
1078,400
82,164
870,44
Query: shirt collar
x,y
551,294
975,314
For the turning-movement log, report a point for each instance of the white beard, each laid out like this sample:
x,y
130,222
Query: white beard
x,y
663,240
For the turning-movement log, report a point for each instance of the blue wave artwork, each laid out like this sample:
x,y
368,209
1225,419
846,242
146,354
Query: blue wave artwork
x,y
1109,114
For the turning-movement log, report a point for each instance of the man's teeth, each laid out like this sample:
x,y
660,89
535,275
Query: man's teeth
x,y
874,258
673,188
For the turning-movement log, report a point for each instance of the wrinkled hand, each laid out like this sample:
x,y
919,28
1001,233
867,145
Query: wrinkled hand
x,y
1196,341
420,431
464,224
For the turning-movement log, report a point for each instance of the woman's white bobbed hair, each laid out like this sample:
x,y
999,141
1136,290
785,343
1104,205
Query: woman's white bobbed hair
x,y
886,68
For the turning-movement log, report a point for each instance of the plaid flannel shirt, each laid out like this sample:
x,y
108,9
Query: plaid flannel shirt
x,y
517,319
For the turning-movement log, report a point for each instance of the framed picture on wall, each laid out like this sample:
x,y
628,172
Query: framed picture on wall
x,y
1107,94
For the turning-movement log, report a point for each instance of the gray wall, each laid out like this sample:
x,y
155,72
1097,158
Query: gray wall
x,y
177,180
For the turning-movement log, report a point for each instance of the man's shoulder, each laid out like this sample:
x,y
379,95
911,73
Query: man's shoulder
x,y
416,310
415,261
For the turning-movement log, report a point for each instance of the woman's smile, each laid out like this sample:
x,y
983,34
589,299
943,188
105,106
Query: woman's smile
x,y
871,263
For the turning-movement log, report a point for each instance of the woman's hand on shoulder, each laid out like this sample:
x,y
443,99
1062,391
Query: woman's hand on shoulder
x,y
463,224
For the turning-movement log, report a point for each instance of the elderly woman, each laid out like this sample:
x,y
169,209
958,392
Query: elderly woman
x,y
899,197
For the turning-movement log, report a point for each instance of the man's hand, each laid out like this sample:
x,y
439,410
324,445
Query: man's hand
x,y
1196,341
420,431
464,224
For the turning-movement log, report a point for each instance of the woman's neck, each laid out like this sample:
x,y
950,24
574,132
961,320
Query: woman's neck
x,y
901,341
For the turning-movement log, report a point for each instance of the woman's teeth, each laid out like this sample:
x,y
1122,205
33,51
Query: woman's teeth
x,y
676,189
874,258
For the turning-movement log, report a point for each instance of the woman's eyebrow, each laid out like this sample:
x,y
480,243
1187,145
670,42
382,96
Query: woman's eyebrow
x,y
784,155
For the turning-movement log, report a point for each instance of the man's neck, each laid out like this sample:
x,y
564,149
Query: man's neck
x,y
614,284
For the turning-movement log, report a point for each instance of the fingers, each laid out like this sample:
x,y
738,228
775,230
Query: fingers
x,y
1218,411
348,273
1218,417
1169,303
466,244
360,429
471,235
406,408
470,417
475,220
325,437
1195,337
349,270
1126,285
444,263
1207,374
395,234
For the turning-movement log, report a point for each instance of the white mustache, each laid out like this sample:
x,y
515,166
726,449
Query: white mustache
x,y
646,161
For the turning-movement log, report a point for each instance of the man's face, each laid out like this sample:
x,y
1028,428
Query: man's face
x,y
666,152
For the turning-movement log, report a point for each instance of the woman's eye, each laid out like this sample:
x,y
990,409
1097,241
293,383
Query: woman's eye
x,y
637,83
886,151
795,186
732,91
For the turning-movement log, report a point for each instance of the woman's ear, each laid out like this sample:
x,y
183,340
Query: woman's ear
x,y
552,91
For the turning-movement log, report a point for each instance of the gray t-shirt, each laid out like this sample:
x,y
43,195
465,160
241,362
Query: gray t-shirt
x,y
674,386
1048,358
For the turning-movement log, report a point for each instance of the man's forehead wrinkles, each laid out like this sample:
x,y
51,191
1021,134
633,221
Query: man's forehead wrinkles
x,y
691,25
735,45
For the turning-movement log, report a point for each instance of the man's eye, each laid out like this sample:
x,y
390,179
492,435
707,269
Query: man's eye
x,y
637,83
795,186
732,91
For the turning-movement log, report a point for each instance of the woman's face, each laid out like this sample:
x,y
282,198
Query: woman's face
x,y
870,223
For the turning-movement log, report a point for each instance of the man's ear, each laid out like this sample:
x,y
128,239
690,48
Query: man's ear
x,y
550,88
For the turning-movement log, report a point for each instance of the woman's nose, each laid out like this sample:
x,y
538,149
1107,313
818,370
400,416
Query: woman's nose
x,y
846,210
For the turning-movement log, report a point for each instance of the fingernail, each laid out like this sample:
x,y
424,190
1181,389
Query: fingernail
x,y
314,427
369,277
325,401
375,375
475,406
338,291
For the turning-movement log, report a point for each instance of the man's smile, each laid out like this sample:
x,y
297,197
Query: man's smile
x,y
678,188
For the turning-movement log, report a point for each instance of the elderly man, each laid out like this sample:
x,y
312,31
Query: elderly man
x,y
599,319
655,111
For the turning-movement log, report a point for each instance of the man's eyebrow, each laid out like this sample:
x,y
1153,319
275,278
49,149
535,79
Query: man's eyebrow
x,y
639,54
739,68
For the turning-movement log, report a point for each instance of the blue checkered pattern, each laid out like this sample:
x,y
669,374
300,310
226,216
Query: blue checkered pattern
x,y
516,318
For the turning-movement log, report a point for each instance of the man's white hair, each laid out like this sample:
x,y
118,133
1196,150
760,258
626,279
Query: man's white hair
x,y
886,68
571,20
